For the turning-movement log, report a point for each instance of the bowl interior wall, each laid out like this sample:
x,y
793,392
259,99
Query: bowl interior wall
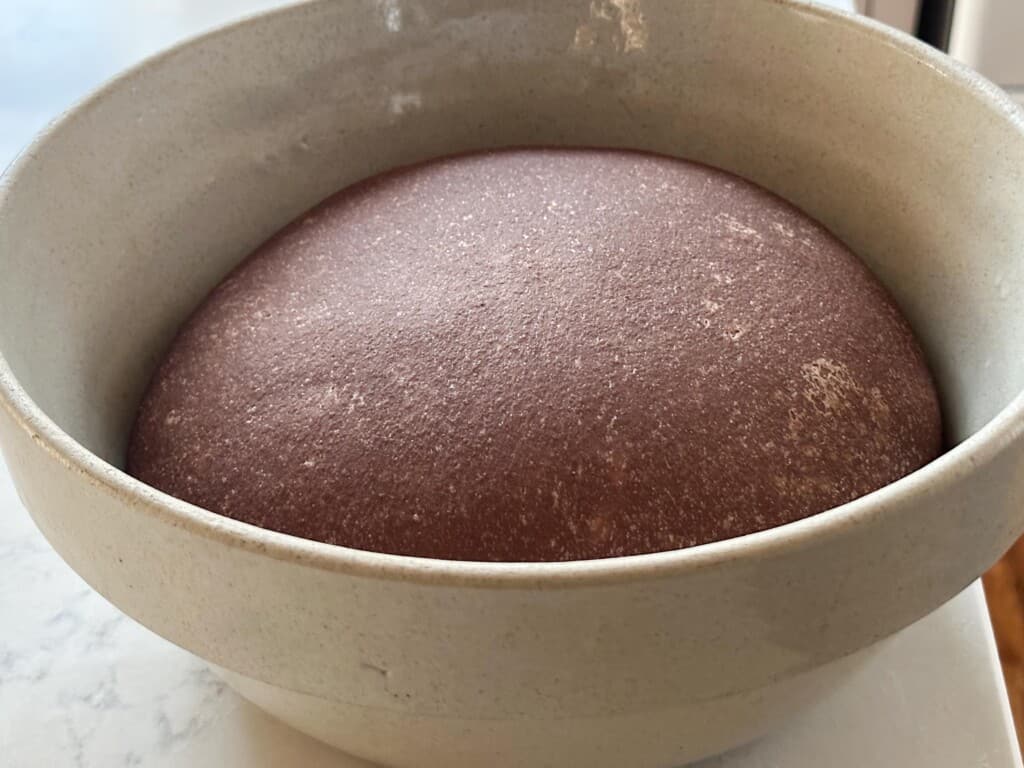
x,y
138,203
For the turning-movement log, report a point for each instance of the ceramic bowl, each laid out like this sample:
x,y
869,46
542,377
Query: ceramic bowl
x,y
124,213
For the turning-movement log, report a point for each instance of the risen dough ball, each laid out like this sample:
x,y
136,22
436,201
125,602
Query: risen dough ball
x,y
539,354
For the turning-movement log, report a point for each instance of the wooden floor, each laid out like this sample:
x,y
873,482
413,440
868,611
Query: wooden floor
x,y
1004,589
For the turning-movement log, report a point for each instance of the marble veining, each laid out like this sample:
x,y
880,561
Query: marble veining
x,y
83,685
63,649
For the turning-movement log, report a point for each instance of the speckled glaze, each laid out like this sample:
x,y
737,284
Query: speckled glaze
x,y
539,354
127,211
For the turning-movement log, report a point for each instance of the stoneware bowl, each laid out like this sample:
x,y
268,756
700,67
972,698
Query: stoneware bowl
x,y
125,212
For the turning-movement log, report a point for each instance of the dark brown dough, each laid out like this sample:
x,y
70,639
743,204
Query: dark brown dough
x,y
539,354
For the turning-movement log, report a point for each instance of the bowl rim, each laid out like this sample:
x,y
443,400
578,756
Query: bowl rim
x,y
981,447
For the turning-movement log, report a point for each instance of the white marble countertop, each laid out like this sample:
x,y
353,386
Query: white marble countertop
x,y
82,685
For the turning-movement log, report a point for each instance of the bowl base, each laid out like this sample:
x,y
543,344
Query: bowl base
x,y
653,739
